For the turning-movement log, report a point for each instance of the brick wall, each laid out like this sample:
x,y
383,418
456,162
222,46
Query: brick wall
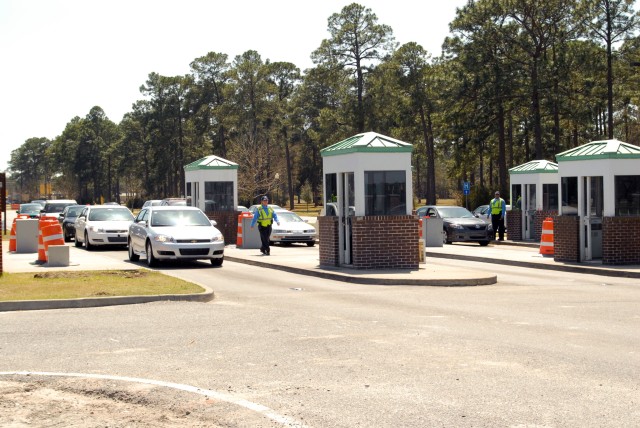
x,y
328,237
385,242
621,240
227,224
514,225
566,238
2,250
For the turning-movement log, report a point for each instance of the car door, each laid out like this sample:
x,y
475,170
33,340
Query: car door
x,y
138,230
81,224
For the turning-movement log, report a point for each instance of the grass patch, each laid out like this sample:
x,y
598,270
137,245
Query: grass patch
x,y
74,285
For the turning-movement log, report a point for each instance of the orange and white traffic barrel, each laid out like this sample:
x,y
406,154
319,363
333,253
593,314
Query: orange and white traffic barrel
x,y
52,235
546,239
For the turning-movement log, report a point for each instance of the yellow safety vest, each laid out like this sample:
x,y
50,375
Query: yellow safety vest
x,y
265,218
496,206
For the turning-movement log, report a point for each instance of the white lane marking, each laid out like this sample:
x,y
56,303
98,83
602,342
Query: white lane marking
x,y
259,408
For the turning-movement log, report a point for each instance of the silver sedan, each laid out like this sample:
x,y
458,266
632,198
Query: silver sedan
x,y
173,233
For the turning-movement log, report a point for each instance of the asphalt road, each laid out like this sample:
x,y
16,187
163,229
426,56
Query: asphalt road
x,y
538,349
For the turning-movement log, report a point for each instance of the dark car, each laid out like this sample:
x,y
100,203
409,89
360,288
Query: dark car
x,y
459,224
32,210
67,219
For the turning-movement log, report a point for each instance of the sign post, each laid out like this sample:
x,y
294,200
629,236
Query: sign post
x,y
466,189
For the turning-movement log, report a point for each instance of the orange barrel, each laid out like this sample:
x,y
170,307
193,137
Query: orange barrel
x,y
44,222
51,235
12,238
546,239
239,235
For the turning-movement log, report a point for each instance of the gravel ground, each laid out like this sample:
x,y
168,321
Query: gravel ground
x,y
75,402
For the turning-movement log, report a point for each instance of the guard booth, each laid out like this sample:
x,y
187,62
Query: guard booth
x,y
368,200
600,210
534,197
211,184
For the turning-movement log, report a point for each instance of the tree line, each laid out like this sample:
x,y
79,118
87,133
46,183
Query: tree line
x,y
517,80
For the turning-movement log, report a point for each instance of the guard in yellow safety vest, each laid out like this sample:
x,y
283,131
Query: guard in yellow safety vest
x,y
497,210
264,216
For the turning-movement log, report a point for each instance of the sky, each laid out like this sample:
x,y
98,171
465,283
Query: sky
x,y
60,58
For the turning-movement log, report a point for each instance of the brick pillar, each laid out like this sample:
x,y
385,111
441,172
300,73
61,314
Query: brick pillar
x,y
620,240
566,238
328,237
514,225
227,224
385,242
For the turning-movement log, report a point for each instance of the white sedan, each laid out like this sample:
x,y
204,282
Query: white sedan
x,y
175,232
102,225
292,229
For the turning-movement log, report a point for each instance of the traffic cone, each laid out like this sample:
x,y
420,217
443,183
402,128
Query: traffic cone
x,y
546,239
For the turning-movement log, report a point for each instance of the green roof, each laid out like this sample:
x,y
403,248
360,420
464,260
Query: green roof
x,y
535,167
605,149
211,162
369,142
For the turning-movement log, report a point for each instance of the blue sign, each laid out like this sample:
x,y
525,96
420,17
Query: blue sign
x,y
466,187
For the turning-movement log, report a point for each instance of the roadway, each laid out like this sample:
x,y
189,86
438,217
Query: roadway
x,y
538,348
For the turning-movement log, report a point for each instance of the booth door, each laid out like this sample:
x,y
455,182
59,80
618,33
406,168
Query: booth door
x,y
529,211
346,201
592,208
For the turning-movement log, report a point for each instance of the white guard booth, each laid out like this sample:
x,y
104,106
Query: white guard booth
x,y
534,190
211,184
368,187
600,183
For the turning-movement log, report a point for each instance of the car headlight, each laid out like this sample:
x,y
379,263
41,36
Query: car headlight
x,y
218,238
489,227
96,229
163,238
455,226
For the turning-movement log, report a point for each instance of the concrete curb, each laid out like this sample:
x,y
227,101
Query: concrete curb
x,y
326,274
92,302
533,265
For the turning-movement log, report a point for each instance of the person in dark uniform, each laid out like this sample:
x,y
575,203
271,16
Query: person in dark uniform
x,y
497,210
264,216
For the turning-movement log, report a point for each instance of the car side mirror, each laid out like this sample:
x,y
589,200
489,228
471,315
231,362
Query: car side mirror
x,y
142,223
214,223
61,215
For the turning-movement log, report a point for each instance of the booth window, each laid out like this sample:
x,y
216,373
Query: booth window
x,y
516,194
569,195
627,195
550,197
331,188
190,199
218,196
385,192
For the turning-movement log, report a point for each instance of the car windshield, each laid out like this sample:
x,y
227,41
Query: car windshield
x,y
110,214
179,218
176,202
289,217
74,212
454,212
30,208
55,208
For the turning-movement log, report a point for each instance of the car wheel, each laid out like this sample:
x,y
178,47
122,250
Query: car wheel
x,y
132,256
67,238
151,260
87,244
311,243
77,242
483,243
217,262
445,237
